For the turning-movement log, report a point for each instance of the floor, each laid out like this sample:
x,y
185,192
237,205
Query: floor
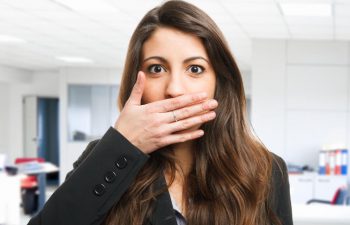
x,y
25,218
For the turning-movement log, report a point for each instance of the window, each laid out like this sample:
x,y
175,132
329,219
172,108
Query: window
x,y
92,109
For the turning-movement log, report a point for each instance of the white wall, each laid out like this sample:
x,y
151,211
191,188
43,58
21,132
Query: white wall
x,y
247,82
300,96
4,118
15,84
267,93
42,84
12,75
8,76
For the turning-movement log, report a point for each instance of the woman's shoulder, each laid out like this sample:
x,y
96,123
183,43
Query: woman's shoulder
x,y
279,192
279,168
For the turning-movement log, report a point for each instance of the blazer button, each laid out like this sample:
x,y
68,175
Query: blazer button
x,y
110,176
99,190
121,163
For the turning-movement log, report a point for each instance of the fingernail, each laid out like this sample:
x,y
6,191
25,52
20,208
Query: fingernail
x,y
213,103
211,115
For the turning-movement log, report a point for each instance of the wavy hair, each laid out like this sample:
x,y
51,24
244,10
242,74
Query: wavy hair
x,y
231,177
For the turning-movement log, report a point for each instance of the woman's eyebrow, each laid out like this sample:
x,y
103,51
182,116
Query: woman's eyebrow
x,y
195,58
163,60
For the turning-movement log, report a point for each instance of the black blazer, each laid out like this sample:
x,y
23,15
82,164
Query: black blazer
x,y
103,173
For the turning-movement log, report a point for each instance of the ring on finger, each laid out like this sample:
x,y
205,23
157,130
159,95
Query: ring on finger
x,y
174,116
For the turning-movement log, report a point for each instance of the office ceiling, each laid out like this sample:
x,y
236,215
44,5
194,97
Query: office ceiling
x,y
52,29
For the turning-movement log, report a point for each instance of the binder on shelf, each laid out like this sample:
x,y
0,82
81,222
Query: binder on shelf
x,y
333,161
338,157
322,163
328,167
344,161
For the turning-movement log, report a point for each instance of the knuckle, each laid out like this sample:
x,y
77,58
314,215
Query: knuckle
x,y
184,138
205,105
137,89
148,130
195,98
161,133
147,109
165,108
185,124
205,118
157,136
153,133
161,142
186,112
176,102
192,136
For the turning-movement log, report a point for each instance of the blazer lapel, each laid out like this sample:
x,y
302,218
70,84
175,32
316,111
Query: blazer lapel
x,y
164,213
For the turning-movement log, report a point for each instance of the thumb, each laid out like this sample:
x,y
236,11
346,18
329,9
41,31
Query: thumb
x,y
137,90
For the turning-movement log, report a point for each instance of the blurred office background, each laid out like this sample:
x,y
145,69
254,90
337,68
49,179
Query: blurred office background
x,y
60,68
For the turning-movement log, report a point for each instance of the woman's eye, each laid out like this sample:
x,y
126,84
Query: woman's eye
x,y
196,69
156,69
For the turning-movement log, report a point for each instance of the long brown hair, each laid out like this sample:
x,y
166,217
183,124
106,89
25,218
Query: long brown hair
x,y
230,179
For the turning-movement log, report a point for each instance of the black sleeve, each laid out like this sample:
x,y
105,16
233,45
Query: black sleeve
x,y
100,177
281,194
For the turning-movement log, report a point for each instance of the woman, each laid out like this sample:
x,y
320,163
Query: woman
x,y
181,151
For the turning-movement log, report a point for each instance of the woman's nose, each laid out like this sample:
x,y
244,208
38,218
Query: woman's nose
x,y
175,86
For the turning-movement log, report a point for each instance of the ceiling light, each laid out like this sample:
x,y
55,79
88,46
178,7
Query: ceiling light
x,y
10,39
73,59
305,9
87,5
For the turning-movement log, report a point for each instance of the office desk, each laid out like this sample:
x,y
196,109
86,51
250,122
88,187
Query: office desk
x,y
321,214
39,169
10,195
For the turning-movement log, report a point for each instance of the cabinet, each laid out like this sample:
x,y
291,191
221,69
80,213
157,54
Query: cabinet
x,y
325,186
304,187
301,188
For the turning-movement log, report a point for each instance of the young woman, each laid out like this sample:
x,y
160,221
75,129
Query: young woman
x,y
181,151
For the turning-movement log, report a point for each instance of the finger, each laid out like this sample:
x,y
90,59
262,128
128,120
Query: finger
x,y
189,122
193,110
178,138
176,103
137,90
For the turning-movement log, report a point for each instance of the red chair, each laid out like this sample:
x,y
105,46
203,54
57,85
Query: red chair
x,y
29,181
24,160
29,187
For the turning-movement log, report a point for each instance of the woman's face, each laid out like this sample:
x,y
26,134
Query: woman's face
x,y
175,63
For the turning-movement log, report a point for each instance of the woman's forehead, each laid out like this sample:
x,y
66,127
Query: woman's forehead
x,y
169,42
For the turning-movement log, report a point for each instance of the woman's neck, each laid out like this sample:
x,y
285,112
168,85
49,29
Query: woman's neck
x,y
183,153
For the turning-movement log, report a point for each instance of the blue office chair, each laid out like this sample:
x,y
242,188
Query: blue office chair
x,y
341,197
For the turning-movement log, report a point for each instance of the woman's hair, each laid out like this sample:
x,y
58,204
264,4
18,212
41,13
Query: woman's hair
x,y
230,180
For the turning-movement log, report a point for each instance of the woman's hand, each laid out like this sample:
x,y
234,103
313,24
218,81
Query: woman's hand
x,y
158,124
